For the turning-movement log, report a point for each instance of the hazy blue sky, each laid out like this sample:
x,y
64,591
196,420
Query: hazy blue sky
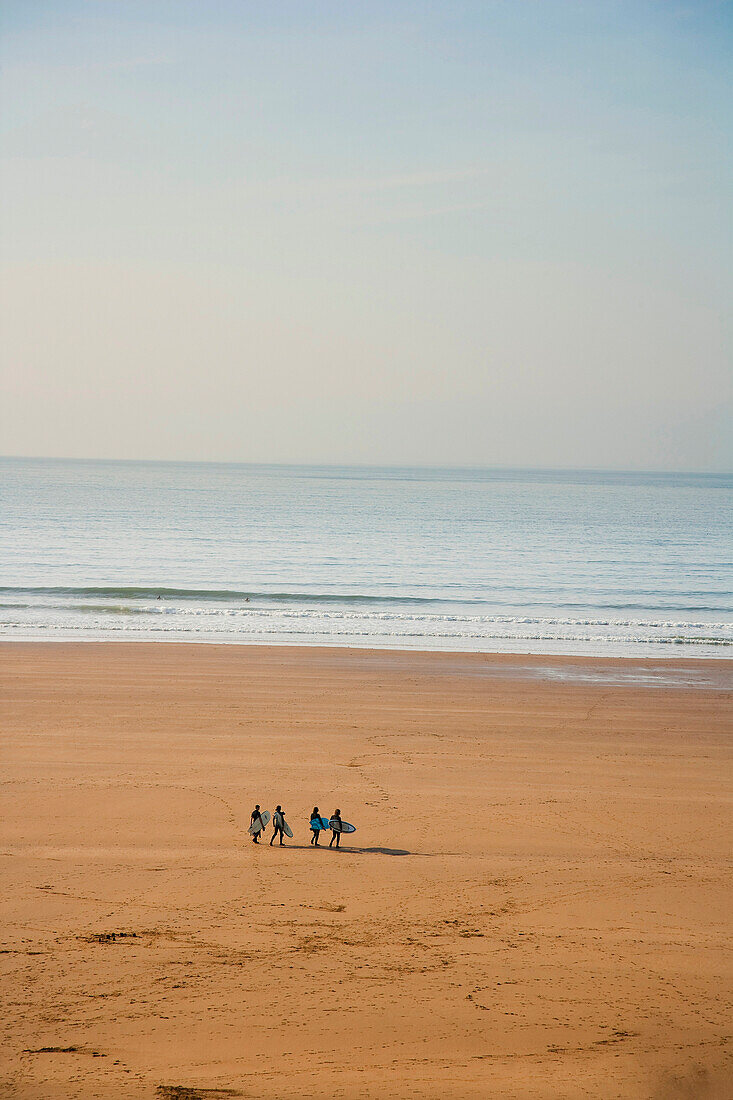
x,y
412,232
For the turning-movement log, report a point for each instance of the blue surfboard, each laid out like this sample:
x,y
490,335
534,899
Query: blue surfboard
x,y
319,823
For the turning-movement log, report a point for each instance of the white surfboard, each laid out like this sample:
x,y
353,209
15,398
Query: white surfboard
x,y
257,826
344,827
279,821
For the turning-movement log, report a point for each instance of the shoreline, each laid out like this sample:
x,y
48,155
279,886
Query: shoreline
x,y
704,672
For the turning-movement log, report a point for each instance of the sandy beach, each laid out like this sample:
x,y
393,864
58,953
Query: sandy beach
x,y
536,902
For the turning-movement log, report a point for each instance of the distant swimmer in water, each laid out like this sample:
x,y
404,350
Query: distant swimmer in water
x,y
256,818
278,820
315,826
336,829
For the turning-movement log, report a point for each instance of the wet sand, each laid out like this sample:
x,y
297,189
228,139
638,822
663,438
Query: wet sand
x,y
536,903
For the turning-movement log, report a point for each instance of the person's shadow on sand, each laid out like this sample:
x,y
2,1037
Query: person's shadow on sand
x,y
380,851
347,849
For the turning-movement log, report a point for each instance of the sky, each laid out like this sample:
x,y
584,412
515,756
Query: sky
x,y
367,231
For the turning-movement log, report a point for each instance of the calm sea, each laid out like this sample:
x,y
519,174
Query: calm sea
x,y
487,560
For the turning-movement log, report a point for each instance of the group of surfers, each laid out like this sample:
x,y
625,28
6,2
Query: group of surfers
x,y
278,821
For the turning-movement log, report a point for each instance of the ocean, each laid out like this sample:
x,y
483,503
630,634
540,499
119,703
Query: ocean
x,y
518,561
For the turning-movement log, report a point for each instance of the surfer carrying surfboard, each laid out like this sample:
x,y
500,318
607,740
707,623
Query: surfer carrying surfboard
x,y
316,825
278,820
335,829
256,820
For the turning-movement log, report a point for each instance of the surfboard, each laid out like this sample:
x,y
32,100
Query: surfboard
x,y
343,828
319,823
279,821
258,826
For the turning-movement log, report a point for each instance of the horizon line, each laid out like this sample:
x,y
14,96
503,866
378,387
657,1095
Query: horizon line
x,y
458,467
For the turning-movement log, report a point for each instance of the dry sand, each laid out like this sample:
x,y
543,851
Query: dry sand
x,y
535,904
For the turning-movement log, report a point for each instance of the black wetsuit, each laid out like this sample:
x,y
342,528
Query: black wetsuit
x,y
278,821
336,832
316,830
256,816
